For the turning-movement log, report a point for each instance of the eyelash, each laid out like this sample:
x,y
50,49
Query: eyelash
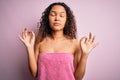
x,y
54,15
61,16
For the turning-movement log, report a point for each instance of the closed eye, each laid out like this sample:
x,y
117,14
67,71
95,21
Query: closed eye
x,y
52,14
62,15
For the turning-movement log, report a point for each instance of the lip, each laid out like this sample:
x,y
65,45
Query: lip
x,y
56,24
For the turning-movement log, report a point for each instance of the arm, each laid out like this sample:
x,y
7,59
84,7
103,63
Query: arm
x,y
32,61
28,38
86,46
81,67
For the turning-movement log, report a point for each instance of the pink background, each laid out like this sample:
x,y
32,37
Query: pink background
x,y
102,17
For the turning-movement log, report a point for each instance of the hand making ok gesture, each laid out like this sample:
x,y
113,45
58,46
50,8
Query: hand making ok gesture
x,y
87,44
28,38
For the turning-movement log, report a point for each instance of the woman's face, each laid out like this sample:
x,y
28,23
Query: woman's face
x,y
57,18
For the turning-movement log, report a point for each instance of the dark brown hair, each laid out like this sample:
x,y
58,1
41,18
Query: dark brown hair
x,y
44,28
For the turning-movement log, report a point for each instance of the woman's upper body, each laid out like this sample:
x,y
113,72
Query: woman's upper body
x,y
63,44
57,34
57,46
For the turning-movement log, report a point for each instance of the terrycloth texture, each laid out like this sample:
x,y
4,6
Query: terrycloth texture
x,y
55,66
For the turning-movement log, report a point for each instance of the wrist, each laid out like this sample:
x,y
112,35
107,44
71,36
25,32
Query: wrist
x,y
30,49
30,46
84,55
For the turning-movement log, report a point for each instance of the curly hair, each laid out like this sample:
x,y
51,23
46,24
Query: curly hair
x,y
44,28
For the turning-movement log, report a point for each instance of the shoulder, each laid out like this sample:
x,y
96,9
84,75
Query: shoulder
x,y
40,44
76,45
75,42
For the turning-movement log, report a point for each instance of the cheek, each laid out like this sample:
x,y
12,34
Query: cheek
x,y
64,21
50,20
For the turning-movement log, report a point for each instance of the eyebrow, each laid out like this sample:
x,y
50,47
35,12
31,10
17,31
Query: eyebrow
x,y
60,12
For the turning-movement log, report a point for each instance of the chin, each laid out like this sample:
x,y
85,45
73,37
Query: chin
x,y
57,28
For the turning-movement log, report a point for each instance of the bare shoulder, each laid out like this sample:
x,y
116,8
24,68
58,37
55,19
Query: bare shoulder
x,y
76,45
75,42
40,43
37,45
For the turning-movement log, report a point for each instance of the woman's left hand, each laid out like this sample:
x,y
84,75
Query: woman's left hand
x,y
87,44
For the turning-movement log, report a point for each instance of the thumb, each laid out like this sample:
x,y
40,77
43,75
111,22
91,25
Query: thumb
x,y
83,39
20,38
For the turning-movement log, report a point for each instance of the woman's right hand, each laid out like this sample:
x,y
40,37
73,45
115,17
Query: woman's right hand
x,y
28,38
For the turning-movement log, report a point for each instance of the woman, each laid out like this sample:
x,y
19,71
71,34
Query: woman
x,y
55,54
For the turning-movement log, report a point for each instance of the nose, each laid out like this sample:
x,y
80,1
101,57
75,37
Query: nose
x,y
57,18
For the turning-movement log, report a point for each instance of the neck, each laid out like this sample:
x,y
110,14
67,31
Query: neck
x,y
58,35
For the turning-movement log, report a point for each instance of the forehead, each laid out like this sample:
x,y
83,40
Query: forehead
x,y
58,8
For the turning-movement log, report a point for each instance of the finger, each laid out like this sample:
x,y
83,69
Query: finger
x,y
96,44
23,35
86,39
25,32
25,29
83,39
93,39
32,36
33,33
90,37
21,38
29,33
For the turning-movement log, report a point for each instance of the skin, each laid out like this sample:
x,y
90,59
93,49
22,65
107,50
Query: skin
x,y
80,49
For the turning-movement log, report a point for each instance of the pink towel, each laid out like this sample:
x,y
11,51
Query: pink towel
x,y
55,66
